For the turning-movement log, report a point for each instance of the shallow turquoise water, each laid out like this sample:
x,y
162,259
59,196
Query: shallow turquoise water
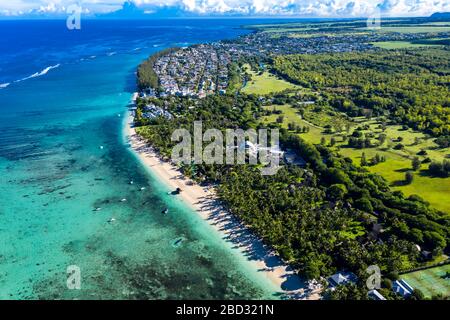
x,y
54,173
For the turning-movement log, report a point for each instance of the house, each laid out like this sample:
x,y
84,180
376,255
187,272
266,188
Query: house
x,y
151,112
375,295
307,102
255,149
402,288
342,278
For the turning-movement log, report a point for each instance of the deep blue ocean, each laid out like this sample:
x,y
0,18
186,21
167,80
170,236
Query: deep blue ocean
x,y
63,98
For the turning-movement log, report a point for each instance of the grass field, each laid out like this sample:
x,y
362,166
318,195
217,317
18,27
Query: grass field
x,y
437,23
290,115
279,30
433,190
399,45
412,44
430,281
415,29
265,83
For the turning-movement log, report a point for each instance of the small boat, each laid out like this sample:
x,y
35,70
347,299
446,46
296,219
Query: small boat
x,y
97,209
177,191
131,182
111,220
101,147
165,211
178,242
142,189
123,200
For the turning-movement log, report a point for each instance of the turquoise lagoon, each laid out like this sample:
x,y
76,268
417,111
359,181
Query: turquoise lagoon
x,y
63,154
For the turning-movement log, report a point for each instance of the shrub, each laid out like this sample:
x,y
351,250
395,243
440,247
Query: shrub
x,y
440,169
409,177
364,204
422,153
337,191
443,142
415,164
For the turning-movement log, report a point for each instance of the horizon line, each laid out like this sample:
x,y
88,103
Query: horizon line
x,y
205,17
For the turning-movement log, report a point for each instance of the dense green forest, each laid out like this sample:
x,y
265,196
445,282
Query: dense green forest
x,y
321,218
409,86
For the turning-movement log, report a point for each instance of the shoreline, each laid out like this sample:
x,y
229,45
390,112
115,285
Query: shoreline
x,y
205,203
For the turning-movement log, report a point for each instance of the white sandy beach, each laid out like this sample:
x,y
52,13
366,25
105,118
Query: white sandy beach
x,y
203,201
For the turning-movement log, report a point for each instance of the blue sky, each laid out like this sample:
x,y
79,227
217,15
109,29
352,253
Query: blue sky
x,y
307,8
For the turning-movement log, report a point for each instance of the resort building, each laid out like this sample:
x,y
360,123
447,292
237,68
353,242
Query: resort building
x,y
152,112
342,278
402,288
375,295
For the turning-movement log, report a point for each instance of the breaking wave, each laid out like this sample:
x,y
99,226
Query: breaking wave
x,y
39,74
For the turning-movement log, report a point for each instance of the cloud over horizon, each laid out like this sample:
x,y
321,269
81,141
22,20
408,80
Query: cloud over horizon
x,y
307,8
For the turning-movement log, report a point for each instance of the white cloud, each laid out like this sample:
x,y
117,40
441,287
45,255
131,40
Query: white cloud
x,y
325,8
50,8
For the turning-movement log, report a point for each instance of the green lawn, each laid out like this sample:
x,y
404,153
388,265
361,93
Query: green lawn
x,y
433,190
412,44
430,281
415,29
323,34
437,23
279,30
291,115
399,45
265,83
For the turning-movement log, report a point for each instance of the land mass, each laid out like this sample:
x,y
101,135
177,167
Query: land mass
x,y
364,131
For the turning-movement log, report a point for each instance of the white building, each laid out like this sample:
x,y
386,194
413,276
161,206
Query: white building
x,y
342,278
402,288
375,295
